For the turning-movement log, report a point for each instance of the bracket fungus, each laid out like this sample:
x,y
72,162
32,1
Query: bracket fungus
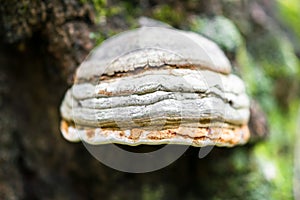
x,y
156,85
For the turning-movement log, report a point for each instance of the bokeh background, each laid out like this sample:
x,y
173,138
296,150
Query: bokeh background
x,y
42,43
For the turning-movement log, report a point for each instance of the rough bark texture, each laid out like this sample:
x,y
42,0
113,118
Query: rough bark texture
x,y
42,43
61,28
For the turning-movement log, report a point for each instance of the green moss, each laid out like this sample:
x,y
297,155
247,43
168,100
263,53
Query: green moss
x,y
238,178
123,10
275,156
167,14
152,193
100,8
289,14
219,29
259,85
97,36
275,54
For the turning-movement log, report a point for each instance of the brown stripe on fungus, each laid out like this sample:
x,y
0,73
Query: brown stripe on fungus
x,y
188,136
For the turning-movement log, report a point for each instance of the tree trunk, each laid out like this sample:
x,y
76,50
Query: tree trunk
x,y
42,44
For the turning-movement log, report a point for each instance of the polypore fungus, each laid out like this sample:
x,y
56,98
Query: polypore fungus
x,y
156,85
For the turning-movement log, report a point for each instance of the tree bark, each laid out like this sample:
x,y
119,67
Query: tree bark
x,y
42,44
